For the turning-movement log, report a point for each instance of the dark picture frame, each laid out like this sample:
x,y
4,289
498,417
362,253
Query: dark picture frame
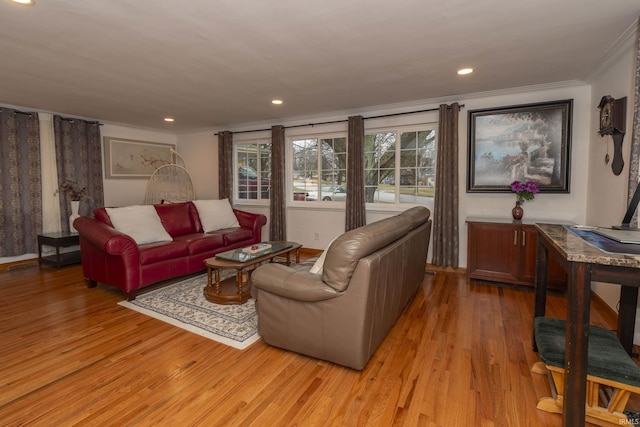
x,y
529,142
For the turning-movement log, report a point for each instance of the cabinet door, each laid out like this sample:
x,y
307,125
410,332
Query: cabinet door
x,y
494,252
528,240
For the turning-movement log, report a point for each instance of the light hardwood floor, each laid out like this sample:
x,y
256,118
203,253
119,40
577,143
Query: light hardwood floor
x,y
459,356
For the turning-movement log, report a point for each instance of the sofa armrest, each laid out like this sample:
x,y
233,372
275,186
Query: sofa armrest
x,y
104,237
252,221
290,283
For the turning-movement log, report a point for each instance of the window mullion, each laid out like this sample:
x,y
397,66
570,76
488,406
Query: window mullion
x,y
398,163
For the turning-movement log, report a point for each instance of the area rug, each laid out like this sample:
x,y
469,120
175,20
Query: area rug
x,y
183,305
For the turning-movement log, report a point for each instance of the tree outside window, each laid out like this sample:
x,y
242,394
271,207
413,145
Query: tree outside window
x,y
319,169
400,173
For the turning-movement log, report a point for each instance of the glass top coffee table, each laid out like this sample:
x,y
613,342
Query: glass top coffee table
x,y
237,290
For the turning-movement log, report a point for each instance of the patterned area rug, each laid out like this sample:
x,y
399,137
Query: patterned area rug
x,y
183,305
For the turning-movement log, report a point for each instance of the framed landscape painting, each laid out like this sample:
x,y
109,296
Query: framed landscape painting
x,y
520,143
131,159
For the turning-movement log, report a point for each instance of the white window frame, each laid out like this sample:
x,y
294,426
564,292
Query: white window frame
x,y
290,155
236,144
398,130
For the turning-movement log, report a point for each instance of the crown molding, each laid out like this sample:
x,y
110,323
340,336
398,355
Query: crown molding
x,y
395,108
621,45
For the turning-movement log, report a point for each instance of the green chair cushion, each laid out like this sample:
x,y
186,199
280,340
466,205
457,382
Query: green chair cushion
x,y
607,357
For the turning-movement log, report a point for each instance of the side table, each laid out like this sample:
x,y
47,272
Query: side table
x,y
59,240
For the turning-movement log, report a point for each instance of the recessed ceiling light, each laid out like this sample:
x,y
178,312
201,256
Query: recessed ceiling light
x,y
168,119
277,102
464,71
27,2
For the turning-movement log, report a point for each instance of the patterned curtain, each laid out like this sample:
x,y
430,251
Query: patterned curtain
x,y
79,159
225,165
355,209
20,183
277,210
634,167
445,216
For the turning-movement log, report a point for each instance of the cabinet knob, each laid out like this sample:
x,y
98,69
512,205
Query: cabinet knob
x,y
515,237
524,238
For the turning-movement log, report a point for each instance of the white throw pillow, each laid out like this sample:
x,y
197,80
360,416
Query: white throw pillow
x,y
319,264
141,222
216,214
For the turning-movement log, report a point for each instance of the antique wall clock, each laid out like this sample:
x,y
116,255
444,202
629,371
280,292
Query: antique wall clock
x,y
613,114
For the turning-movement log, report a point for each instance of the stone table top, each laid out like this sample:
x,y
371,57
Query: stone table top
x,y
574,248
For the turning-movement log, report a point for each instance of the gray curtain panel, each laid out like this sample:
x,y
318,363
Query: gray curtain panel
x,y
355,204
445,215
225,165
20,183
79,158
634,163
277,212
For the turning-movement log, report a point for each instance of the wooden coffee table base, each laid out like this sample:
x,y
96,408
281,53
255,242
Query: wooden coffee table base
x,y
234,290
237,290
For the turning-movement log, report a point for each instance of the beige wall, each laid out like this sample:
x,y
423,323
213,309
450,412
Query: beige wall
x,y
607,193
123,192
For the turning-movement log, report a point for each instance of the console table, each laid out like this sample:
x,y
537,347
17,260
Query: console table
x,y
59,240
584,262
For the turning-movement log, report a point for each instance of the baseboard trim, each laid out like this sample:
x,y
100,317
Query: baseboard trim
x,y
310,251
15,265
432,268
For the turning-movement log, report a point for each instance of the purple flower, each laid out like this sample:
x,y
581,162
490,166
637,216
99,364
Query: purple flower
x,y
524,191
531,187
517,186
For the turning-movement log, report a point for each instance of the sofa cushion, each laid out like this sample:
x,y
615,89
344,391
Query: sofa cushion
x,y
199,242
140,222
216,214
176,218
234,235
156,252
417,216
343,255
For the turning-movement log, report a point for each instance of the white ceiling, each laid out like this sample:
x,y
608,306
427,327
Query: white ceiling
x,y
215,63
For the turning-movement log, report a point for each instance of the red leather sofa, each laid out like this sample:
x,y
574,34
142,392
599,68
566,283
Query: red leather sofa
x,y
113,258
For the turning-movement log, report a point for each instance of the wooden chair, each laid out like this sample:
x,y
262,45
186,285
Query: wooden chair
x,y
611,374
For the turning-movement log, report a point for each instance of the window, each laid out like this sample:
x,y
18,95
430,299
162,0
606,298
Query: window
x,y
400,173
253,167
319,169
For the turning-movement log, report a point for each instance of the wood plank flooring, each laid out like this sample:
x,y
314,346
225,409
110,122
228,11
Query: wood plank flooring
x,y
459,356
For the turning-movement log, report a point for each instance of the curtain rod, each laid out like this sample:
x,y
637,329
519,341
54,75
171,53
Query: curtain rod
x,y
89,122
343,121
29,113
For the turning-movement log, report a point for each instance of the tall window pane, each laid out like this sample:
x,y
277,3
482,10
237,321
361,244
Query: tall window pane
x,y
253,166
319,169
379,167
400,173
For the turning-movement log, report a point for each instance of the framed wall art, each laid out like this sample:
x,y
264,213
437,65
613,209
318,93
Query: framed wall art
x,y
131,159
520,143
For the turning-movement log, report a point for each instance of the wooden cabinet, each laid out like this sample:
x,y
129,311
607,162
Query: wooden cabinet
x,y
504,251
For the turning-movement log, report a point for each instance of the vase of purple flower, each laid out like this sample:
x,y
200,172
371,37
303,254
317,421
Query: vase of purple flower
x,y
524,191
